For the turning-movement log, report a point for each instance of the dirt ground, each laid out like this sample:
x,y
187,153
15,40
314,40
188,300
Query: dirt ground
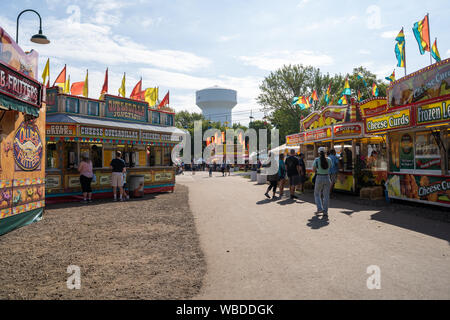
x,y
141,249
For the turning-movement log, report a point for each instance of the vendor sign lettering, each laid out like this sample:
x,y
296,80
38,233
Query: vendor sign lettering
x,y
432,113
169,137
19,87
295,139
150,136
126,109
90,131
318,134
60,130
117,133
27,147
347,130
398,119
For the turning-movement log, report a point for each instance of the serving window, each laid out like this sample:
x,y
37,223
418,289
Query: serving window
x,y
417,151
52,156
345,155
309,156
374,155
95,152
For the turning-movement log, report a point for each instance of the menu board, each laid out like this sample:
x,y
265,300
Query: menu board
x,y
401,152
427,152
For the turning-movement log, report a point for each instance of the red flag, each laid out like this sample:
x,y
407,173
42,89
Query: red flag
x,y
105,84
77,88
164,101
62,77
135,94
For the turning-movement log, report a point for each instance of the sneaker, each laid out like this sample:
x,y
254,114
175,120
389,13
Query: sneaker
x,y
115,199
267,195
319,211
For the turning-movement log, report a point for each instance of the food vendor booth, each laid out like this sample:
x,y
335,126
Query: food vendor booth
x,y
22,136
361,155
417,126
98,128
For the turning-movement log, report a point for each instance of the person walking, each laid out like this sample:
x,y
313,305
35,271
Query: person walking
x,y
282,174
222,168
301,162
334,169
321,167
118,168
293,172
273,179
86,175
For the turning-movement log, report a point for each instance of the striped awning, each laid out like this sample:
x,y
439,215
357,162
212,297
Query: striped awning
x,y
11,104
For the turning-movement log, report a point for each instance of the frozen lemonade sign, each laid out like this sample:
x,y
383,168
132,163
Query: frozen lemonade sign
x,y
393,120
433,113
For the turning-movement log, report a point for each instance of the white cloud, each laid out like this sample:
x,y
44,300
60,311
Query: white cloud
x,y
274,60
364,51
228,38
302,3
91,43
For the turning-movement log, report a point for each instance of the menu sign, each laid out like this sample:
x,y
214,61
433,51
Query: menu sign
x,y
435,112
393,120
373,107
428,83
295,139
318,134
125,109
150,136
347,130
20,87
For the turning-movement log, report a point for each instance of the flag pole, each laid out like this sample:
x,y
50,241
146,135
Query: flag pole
x,y
404,51
429,39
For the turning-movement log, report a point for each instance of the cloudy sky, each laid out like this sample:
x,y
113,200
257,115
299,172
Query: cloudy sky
x,y
186,45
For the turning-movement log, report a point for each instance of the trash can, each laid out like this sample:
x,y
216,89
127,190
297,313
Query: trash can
x,y
136,186
261,178
253,175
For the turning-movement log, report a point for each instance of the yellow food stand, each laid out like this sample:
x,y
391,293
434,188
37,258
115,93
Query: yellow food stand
x,y
78,125
22,136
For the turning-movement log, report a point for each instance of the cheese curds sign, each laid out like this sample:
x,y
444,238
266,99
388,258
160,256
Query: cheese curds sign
x,y
27,147
393,120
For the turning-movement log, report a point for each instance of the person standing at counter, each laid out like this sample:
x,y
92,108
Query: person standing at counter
x,y
293,172
322,166
118,168
86,175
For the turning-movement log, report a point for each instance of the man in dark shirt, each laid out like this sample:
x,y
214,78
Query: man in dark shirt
x,y
293,172
118,168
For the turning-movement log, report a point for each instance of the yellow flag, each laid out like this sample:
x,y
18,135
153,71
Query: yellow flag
x,y
67,86
86,86
151,95
46,72
122,87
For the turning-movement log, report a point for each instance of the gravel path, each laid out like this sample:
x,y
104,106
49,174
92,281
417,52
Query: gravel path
x,y
140,249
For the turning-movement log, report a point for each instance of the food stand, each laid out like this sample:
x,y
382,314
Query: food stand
x,y
22,135
78,125
361,155
417,126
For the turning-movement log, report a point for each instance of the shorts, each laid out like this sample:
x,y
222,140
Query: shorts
x,y
333,177
117,179
294,180
85,184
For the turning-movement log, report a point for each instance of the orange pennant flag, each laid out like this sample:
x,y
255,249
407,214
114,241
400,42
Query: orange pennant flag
x,y
62,77
77,88
136,93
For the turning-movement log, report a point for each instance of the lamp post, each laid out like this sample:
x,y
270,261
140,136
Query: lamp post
x,y
37,38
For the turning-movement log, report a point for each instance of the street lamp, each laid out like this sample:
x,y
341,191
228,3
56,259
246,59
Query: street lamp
x,y
37,38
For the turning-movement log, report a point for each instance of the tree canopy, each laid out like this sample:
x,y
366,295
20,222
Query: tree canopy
x,y
281,86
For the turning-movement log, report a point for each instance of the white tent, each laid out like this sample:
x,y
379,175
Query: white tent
x,y
283,147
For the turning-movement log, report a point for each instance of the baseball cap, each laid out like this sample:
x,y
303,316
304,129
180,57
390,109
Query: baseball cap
x,y
322,149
